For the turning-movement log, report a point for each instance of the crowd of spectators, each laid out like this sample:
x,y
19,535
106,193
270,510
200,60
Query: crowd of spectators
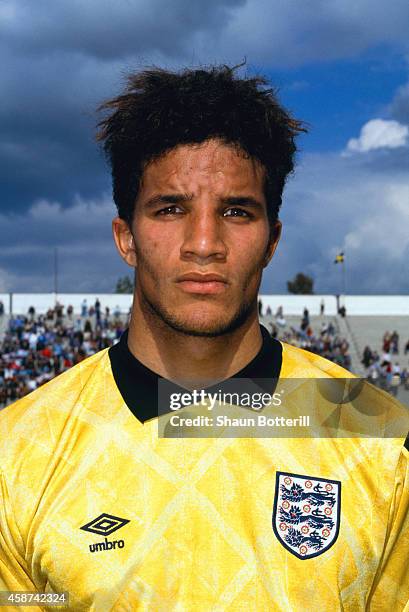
x,y
36,348
384,369
325,342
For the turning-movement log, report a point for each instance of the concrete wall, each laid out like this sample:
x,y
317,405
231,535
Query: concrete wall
x,y
376,305
295,304
395,305
21,302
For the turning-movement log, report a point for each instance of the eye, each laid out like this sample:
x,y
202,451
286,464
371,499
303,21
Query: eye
x,y
169,210
236,212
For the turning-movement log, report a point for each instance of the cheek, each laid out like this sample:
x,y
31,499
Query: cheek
x,y
147,242
152,257
153,238
251,250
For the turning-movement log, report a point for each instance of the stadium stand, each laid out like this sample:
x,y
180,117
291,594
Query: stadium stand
x,y
354,346
386,364
322,335
36,348
369,330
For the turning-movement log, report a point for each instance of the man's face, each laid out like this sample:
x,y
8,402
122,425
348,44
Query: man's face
x,y
202,238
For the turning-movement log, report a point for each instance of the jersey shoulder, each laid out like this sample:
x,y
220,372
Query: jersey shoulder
x,y
38,419
63,387
299,363
377,413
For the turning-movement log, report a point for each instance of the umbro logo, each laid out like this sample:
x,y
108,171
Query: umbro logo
x,y
104,525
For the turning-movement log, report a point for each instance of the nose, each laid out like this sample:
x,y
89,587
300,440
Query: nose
x,y
203,237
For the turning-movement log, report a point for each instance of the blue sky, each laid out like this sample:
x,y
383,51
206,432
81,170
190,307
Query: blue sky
x,y
336,98
340,66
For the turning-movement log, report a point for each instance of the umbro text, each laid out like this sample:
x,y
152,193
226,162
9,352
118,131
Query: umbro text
x,y
106,545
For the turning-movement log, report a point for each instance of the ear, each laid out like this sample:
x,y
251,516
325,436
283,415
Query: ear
x,y
275,234
124,241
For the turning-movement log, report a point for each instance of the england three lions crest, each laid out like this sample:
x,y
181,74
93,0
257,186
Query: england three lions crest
x,y
306,513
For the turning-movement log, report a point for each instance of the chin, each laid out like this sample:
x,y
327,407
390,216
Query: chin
x,y
204,329
202,320
206,324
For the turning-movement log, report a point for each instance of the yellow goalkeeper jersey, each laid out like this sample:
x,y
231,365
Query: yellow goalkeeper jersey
x,y
94,503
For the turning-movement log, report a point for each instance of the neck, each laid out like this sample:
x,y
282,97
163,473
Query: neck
x,y
179,357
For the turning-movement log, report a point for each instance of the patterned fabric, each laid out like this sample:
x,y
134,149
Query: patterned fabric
x,y
94,503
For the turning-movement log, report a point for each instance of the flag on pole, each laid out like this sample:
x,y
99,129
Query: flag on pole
x,y
339,258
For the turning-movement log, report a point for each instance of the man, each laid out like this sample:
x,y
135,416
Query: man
x,y
94,502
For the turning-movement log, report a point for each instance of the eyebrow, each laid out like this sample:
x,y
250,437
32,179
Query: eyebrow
x,y
178,198
171,198
247,201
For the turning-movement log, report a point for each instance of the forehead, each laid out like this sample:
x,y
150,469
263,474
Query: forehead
x,y
212,164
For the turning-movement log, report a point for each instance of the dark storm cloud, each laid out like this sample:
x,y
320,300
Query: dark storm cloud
x,y
295,33
47,120
61,58
109,30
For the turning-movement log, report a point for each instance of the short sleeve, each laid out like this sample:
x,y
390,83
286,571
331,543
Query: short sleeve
x,y
390,590
13,573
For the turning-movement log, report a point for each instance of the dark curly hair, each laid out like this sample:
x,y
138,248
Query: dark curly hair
x,y
160,110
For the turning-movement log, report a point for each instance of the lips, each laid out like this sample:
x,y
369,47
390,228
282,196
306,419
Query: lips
x,y
194,282
202,278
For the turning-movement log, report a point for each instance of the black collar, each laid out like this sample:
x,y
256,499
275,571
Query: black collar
x,y
138,384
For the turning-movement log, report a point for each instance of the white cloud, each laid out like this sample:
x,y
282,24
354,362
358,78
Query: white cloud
x,y
379,134
333,203
345,203
384,227
82,233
